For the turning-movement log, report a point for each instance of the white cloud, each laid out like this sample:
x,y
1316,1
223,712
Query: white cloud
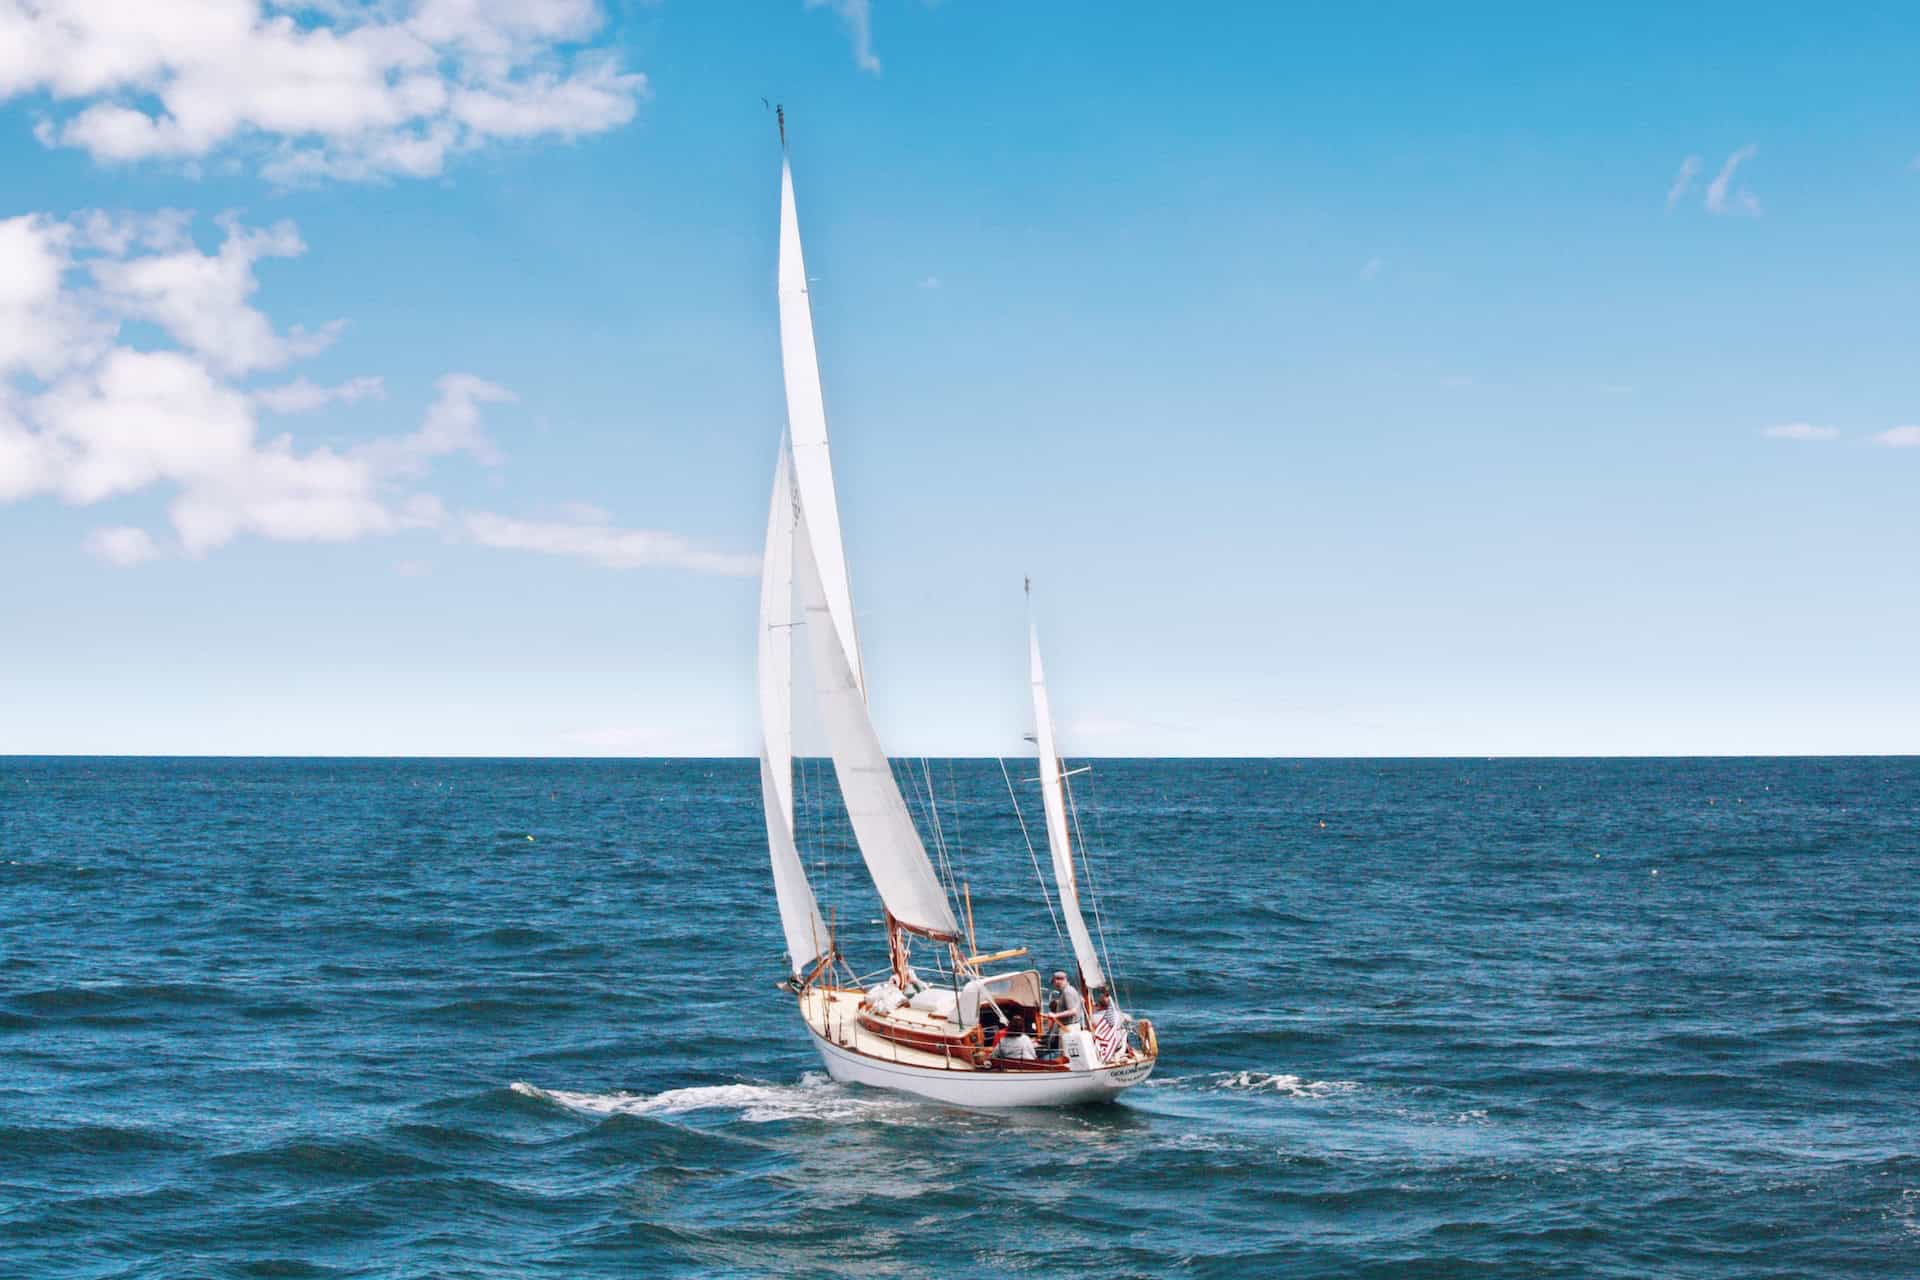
x,y
452,426
86,417
201,300
1721,198
43,327
122,545
1899,438
324,88
857,15
1801,431
302,396
1683,181
604,544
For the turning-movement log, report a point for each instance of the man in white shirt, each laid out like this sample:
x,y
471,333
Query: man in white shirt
x,y
1016,1043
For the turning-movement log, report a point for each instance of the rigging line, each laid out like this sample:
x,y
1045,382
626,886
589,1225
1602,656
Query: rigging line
x,y
1093,890
1099,835
1058,934
939,833
953,803
908,795
933,812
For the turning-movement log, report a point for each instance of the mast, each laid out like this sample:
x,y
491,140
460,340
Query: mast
x,y
807,937
1053,796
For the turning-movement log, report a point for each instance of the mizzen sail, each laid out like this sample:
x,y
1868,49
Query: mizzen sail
x,y
799,913
1053,795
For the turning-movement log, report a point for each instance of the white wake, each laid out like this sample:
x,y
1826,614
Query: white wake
x,y
815,1097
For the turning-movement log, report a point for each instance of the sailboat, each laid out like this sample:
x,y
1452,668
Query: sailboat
x,y
942,1020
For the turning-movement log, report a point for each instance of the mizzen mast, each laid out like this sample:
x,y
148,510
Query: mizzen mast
x,y
1053,797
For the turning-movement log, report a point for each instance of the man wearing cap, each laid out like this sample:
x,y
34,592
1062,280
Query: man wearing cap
x,y
1065,1003
1064,1008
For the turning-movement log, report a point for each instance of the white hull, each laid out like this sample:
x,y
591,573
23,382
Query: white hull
x,y
983,1088
854,1055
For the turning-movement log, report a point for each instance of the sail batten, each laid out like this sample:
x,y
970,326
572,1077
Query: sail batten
x,y
800,921
1053,797
883,828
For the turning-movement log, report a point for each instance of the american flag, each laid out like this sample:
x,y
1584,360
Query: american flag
x,y
1109,1035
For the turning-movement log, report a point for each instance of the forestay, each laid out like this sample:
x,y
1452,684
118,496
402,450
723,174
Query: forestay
x,y
799,913
889,843
1053,795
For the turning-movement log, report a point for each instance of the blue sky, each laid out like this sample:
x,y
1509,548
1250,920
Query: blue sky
x,y
1354,383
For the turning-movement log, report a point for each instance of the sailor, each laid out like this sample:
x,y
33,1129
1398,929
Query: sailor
x,y
1064,1004
1016,1043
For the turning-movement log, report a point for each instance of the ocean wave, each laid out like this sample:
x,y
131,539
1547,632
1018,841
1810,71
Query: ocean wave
x,y
84,1139
815,1097
1274,1082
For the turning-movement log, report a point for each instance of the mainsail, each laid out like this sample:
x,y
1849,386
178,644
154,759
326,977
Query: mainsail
x,y
1053,795
807,425
799,914
889,843
883,828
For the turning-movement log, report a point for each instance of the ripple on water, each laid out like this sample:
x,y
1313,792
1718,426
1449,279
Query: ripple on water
x,y
270,1030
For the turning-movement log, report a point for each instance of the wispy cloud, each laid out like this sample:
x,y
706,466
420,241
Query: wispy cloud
x,y
1899,438
122,545
1683,181
604,544
1372,268
302,396
1722,198
1804,431
930,282
857,15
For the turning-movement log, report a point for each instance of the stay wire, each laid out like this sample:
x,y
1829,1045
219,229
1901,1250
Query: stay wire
x,y
1058,933
1093,889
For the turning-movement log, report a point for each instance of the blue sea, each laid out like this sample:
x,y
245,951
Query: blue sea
x,y
466,1018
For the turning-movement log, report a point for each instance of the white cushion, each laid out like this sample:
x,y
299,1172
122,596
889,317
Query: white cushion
x,y
935,1000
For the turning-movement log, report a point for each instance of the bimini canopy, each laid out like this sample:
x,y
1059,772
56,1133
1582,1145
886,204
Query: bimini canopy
x,y
1014,988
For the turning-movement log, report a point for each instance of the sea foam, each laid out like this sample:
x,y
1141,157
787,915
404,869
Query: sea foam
x,y
814,1097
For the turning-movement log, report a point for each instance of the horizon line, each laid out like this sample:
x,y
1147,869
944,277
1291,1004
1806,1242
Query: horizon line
x,y
657,758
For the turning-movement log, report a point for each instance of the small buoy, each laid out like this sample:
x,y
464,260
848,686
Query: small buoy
x,y
1323,824
1655,871
529,839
